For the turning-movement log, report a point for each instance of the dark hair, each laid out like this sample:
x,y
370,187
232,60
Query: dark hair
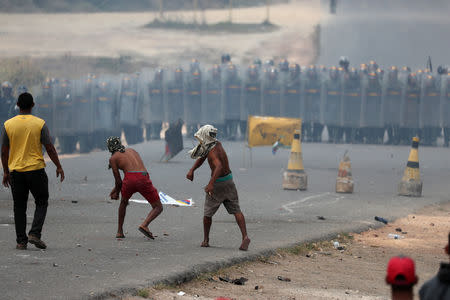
x,y
25,101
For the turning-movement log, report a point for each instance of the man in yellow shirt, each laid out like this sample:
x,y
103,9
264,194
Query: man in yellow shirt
x,y
24,169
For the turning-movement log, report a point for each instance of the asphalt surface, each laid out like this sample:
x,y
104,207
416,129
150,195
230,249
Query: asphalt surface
x,y
400,33
83,257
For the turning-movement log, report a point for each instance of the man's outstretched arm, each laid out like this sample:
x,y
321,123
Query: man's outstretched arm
x,y
5,157
197,164
51,151
117,179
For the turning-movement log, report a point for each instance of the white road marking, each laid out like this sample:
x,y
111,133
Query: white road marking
x,y
290,211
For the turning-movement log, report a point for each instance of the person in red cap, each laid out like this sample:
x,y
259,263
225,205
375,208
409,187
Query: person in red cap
x,y
401,275
438,287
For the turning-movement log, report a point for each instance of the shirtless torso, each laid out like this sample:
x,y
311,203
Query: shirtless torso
x,y
127,161
218,154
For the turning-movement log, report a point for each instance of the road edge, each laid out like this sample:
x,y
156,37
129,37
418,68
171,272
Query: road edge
x,y
194,271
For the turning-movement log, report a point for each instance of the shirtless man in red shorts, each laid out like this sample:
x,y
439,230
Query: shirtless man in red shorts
x,y
221,188
136,179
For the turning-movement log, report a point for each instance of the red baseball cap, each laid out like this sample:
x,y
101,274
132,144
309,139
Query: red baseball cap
x,y
401,271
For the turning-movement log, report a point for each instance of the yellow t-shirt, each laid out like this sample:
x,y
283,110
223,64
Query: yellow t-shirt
x,y
25,147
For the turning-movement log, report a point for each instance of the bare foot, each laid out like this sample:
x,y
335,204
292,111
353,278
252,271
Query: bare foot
x,y
245,243
120,235
205,244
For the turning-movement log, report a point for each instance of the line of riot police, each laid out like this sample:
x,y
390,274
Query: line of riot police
x,y
354,105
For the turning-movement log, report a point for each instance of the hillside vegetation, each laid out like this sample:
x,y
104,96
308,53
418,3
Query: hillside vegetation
x,y
114,5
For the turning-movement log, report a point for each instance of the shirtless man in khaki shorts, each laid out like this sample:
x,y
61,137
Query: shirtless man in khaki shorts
x,y
221,188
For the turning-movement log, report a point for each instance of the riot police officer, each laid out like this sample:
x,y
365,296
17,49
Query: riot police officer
x,y
251,97
258,63
44,103
154,108
344,63
312,126
291,93
373,66
409,119
430,108
175,97
130,107
332,113
106,109
7,101
372,128
232,101
392,100
271,93
64,116
83,105
445,95
212,107
351,106
193,99
283,66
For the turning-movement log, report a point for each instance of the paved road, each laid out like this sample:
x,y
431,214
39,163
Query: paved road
x,y
402,33
275,217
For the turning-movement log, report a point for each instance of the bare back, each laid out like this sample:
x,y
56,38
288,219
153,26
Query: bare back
x,y
129,161
219,153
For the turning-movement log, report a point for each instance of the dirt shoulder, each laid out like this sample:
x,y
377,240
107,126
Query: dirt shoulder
x,y
319,271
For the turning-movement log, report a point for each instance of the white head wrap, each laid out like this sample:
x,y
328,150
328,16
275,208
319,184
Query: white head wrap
x,y
206,136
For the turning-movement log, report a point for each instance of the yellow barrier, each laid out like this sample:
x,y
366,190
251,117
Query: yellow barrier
x,y
265,131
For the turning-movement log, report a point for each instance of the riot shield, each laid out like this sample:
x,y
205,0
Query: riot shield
x,y
64,116
251,95
291,96
84,112
212,100
373,130
311,108
351,107
410,110
129,108
193,100
106,109
271,93
445,104
175,97
430,98
332,107
44,104
392,100
153,103
231,89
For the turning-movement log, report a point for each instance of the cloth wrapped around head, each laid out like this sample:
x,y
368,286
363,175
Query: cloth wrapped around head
x,y
114,144
206,137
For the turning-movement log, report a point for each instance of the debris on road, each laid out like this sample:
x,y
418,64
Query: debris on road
x,y
395,236
238,281
281,278
181,293
380,219
321,217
